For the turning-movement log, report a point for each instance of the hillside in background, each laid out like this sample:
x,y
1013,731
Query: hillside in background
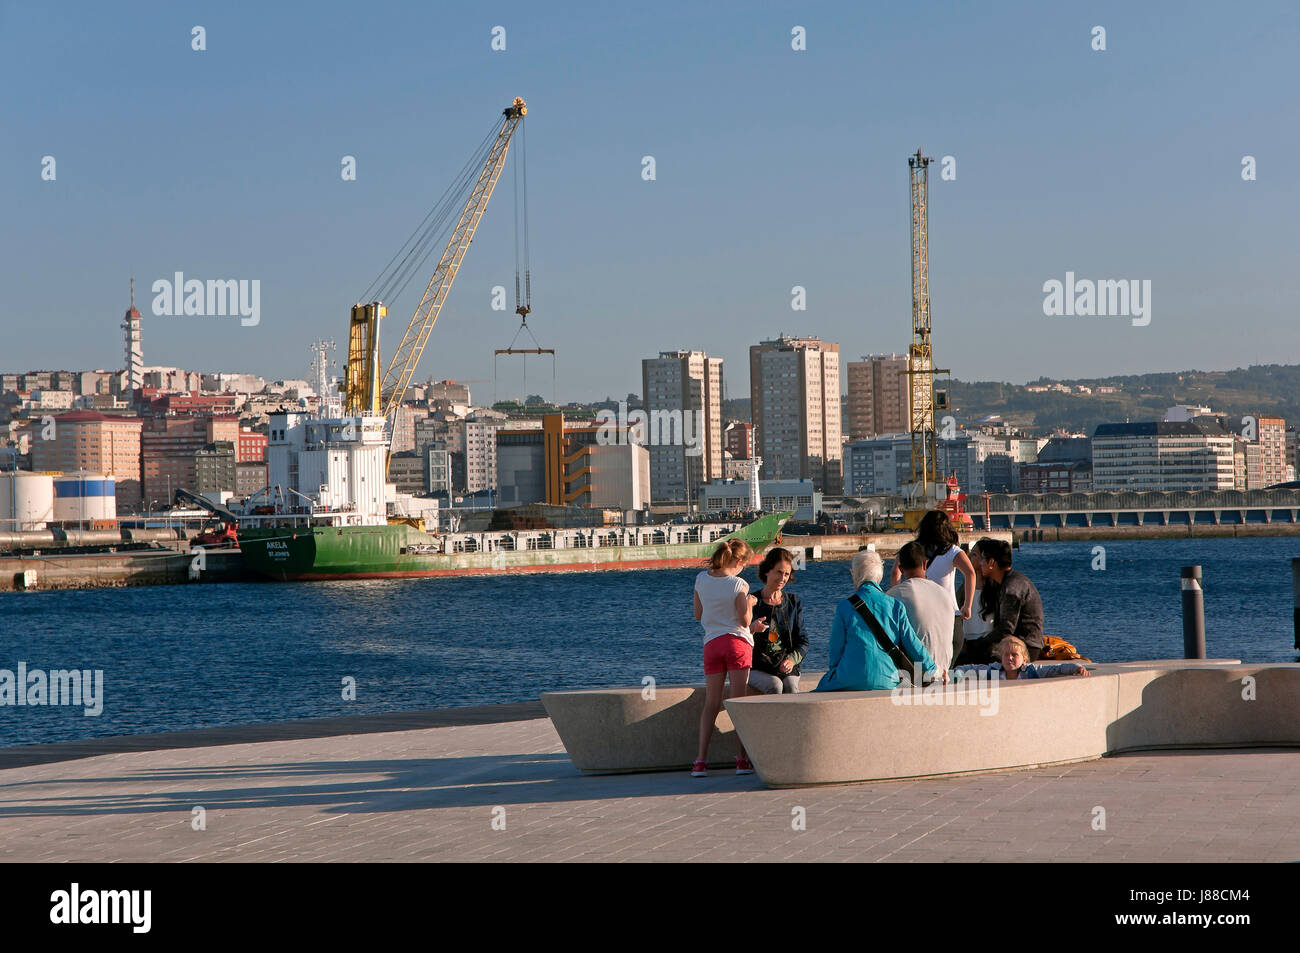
x,y
1263,389
1268,389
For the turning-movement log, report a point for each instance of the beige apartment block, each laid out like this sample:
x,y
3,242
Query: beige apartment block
x,y
795,401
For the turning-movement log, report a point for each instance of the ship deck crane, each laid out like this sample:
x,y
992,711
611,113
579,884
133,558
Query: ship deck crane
x,y
366,393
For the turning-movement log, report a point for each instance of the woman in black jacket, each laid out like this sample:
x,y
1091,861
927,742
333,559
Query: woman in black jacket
x,y
780,643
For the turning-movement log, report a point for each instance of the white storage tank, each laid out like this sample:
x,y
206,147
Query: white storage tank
x,y
85,497
26,500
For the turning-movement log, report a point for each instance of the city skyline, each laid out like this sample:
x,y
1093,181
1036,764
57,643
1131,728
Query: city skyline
x,y
1123,164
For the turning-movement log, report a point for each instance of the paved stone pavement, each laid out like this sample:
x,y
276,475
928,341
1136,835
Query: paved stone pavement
x,y
434,794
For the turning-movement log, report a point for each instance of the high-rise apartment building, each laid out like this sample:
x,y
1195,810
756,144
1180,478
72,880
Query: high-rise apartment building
x,y
877,396
795,402
683,406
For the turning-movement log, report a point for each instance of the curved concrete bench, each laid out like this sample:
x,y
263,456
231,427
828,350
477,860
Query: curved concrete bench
x,y
869,736
857,736
620,730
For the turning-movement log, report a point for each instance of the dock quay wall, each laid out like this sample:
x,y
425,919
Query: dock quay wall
x,y
149,567
846,546
1098,531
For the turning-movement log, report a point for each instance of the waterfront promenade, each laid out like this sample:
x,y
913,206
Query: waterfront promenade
x,y
459,785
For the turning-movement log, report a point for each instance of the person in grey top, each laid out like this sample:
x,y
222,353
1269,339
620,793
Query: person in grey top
x,y
1012,599
928,604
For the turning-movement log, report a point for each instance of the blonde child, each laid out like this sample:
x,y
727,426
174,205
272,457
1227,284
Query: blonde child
x,y
724,607
1014,655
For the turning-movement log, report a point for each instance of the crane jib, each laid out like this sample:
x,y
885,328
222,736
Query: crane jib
x,y
406,358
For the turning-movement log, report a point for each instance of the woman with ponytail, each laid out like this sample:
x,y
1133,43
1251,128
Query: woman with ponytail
x,y
725,608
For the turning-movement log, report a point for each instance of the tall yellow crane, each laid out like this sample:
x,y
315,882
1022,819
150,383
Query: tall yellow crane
x,y
365,391
920,360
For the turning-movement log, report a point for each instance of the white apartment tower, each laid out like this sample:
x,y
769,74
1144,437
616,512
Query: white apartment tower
x,y
683,405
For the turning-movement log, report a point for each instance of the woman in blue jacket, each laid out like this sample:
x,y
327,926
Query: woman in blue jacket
x,y
857,662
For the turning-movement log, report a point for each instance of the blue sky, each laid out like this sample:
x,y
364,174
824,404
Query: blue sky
x,y
775,168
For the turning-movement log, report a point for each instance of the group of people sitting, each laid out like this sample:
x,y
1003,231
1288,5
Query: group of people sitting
x,y
755,643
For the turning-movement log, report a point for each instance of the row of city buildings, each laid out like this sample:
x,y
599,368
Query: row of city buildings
x,y
814,429
1202,453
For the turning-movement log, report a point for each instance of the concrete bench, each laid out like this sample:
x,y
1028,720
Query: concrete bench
x,y
858,736
622,730
870,736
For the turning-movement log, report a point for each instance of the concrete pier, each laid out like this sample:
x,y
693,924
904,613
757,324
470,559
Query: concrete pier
x,y
138,567
506,791
846,546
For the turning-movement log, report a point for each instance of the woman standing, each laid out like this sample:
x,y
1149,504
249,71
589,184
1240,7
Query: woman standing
x,y
943,560
724,607
780,642
975,630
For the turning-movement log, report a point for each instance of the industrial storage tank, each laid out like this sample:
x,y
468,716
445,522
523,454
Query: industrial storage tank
x,y
26,500
85,498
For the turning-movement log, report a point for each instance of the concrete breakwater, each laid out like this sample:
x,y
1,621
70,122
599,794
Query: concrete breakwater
x,y
846,545
888,544
141,567
1062,534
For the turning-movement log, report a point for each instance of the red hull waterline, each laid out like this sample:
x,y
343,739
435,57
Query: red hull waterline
x,y
622,564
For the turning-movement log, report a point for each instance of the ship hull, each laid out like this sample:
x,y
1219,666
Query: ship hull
x,y
393,552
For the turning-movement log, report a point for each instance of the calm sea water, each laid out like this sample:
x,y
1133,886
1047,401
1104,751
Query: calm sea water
x,y
179,657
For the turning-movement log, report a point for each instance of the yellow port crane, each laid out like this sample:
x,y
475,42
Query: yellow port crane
x,y
922,399
920,359
365,393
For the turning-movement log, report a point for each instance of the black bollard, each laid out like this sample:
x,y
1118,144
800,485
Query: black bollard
x,y
1193,613
1295,591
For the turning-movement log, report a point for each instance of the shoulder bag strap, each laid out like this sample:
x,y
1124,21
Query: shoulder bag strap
x,y
891,649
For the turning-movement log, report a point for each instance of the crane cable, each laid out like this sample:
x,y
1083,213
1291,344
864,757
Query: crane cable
x,y
524,291
519,161
389,284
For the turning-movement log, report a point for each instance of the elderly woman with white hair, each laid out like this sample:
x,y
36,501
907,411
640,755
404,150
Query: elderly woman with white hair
x,y
858,661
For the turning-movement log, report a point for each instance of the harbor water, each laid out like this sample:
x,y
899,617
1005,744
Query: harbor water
x,y
178,657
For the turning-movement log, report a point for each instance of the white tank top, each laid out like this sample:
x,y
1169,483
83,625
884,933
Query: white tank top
x,y
942,571
718,600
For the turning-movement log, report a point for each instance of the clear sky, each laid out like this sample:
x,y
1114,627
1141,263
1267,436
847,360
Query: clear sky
x,y
774,168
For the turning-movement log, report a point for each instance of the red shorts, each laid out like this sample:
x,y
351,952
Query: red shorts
x,y
725,653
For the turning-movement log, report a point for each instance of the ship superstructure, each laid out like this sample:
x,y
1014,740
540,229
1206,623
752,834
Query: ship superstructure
x,y
332,468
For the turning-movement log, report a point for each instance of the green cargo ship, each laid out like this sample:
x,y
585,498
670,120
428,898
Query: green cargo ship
x,y
303,552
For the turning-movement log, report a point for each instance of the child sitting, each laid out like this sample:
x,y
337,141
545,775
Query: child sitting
x,y
1015,664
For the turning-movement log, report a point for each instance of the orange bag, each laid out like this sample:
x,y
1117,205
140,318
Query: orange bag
x,y
1059,650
